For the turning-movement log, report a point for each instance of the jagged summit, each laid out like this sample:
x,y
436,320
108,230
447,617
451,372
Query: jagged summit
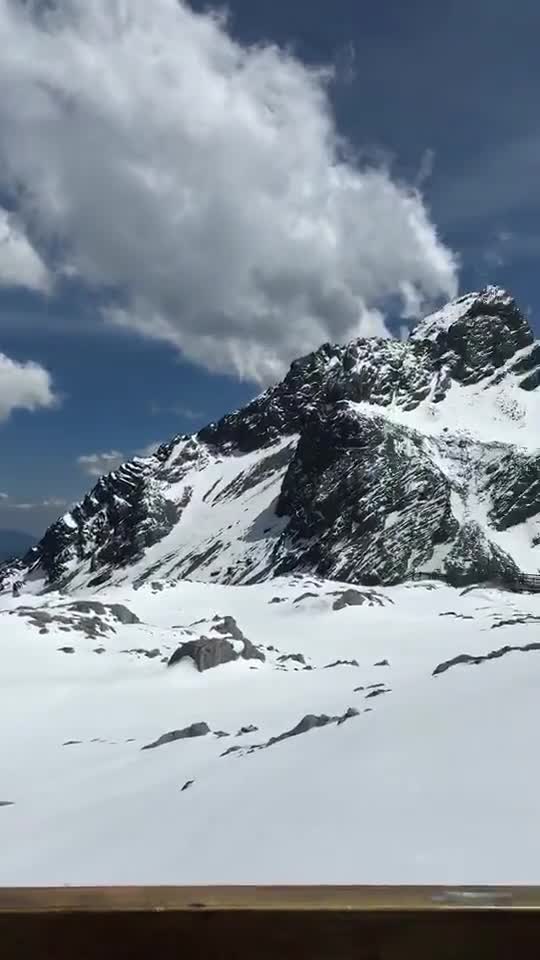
x,y
492,300
370,460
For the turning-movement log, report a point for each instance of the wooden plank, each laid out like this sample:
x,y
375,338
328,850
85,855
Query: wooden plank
x,y
270,923
268,898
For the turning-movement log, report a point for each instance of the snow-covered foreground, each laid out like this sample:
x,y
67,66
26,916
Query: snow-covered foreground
x,y
432,781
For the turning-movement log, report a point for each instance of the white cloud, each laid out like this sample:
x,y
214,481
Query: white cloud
x,y
38,504
4,496
96,464
204,182
427,164
27,386
20,264
148,449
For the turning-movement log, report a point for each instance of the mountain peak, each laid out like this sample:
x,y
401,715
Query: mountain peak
x,y
490,301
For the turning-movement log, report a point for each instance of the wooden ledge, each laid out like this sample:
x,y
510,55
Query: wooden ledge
x,y
270,923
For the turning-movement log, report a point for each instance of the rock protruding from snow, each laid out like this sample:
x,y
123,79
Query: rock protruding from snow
x,y
311,721
117,610
224,643
194,730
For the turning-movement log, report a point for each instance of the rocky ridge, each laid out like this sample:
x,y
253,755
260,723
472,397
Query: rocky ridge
x,y
368,462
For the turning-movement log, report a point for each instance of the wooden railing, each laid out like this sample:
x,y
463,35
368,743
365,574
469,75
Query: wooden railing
x,y
525,582
270,923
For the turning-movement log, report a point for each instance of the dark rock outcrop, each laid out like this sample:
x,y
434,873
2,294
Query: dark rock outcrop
x,y
357,598
493,655
350,474
309,722
194,730
117,610
475,559
211,651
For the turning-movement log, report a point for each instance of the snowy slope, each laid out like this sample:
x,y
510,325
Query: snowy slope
x,y
431,782
217,667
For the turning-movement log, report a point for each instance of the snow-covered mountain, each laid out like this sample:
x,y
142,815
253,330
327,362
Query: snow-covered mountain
x,y
368,462
218,669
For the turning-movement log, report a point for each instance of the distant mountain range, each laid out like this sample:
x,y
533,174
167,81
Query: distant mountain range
x,y
14,543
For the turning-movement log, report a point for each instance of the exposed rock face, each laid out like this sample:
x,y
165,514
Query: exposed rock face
x,y
475,559
310,721
210,651
117,610
194,730
493,655
350,474
125,513
356,467
485,334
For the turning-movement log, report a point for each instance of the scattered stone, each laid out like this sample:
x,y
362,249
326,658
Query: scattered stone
x,y
221,733
70,743
356,598
350,712
460,616
372,686
187,784
194,730
230,750
381,663
249,729
7,803
357,689
278,600
99,650
297,657
306,596
118,610
526,618
66,649
228,626
376,693
342,663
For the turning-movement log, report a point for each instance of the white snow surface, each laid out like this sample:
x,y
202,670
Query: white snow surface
x,y
436,783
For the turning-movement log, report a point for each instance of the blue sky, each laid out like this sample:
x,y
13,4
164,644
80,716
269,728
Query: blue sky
x,y
122,271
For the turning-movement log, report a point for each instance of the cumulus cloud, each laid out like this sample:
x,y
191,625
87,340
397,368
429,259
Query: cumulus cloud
x,y
20,264
26,386
96,464
55,502
204,183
